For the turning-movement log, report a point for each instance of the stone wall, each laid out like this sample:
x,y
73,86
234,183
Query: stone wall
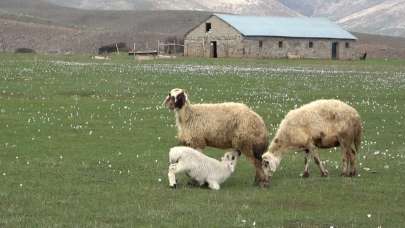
x,y
321,48
198,41
230,43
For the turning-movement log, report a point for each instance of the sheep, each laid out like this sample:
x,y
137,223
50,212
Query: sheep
x,y
223,126
319,124
200,167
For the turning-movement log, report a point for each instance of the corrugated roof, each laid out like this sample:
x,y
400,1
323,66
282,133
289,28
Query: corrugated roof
x,y
302,27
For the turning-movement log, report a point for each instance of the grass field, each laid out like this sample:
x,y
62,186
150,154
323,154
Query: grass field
x,y
85,143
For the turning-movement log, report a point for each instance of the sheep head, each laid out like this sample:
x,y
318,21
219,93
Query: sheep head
x,y
231,158
270,163
176,99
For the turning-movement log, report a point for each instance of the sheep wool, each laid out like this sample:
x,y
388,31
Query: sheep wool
x,y
319,124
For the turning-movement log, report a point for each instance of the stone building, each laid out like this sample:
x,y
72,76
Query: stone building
x,y
223,35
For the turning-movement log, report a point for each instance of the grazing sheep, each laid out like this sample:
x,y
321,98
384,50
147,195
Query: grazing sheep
x,y
200,167
224,126
319,124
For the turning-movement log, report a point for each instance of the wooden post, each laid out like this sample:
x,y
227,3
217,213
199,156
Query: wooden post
x,y
203,47
174,45
116,46
158,46
134,50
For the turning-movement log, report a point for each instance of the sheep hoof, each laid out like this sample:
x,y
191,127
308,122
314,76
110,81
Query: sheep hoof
x,y
325,174
305,175
214,186
345,174
193,183
173,186
353,173
264,184
261,182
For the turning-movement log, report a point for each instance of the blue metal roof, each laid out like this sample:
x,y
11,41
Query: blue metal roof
x,y
299,27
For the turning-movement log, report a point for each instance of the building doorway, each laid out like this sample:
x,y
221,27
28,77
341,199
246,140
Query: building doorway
x,y
213,49
335,50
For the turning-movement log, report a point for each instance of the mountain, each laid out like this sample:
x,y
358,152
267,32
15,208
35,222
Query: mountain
x,y
333,9
387,17
47,27
257,7
384,17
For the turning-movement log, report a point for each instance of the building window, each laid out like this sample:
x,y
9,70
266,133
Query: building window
x,y
260,43
311,44
347,44
280,44
207,27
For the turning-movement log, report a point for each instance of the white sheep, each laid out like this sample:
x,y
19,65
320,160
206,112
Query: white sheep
x,y
319,124
199,167
223,126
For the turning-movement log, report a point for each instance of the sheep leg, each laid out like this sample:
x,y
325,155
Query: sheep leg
x,y
324,172
213,185
172,175
345,163
260,178
306,162
352,156
174,168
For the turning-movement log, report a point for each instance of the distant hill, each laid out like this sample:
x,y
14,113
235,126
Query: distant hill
x,y
385,17
47,27
378,46
257,7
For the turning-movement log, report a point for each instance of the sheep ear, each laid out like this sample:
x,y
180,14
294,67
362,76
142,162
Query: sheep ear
x,y
166,100
180,100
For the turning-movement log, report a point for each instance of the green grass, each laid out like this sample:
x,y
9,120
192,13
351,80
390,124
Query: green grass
x,y
85,143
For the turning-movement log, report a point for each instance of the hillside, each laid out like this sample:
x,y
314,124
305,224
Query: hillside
x,y
257,7
333,9
62,29
46,27
384,17
378,46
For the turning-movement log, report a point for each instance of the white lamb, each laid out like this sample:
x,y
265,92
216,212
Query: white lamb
x,y
200,167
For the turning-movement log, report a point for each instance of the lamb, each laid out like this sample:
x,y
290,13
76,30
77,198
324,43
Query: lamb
x,y
224,126
200,167
319,124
